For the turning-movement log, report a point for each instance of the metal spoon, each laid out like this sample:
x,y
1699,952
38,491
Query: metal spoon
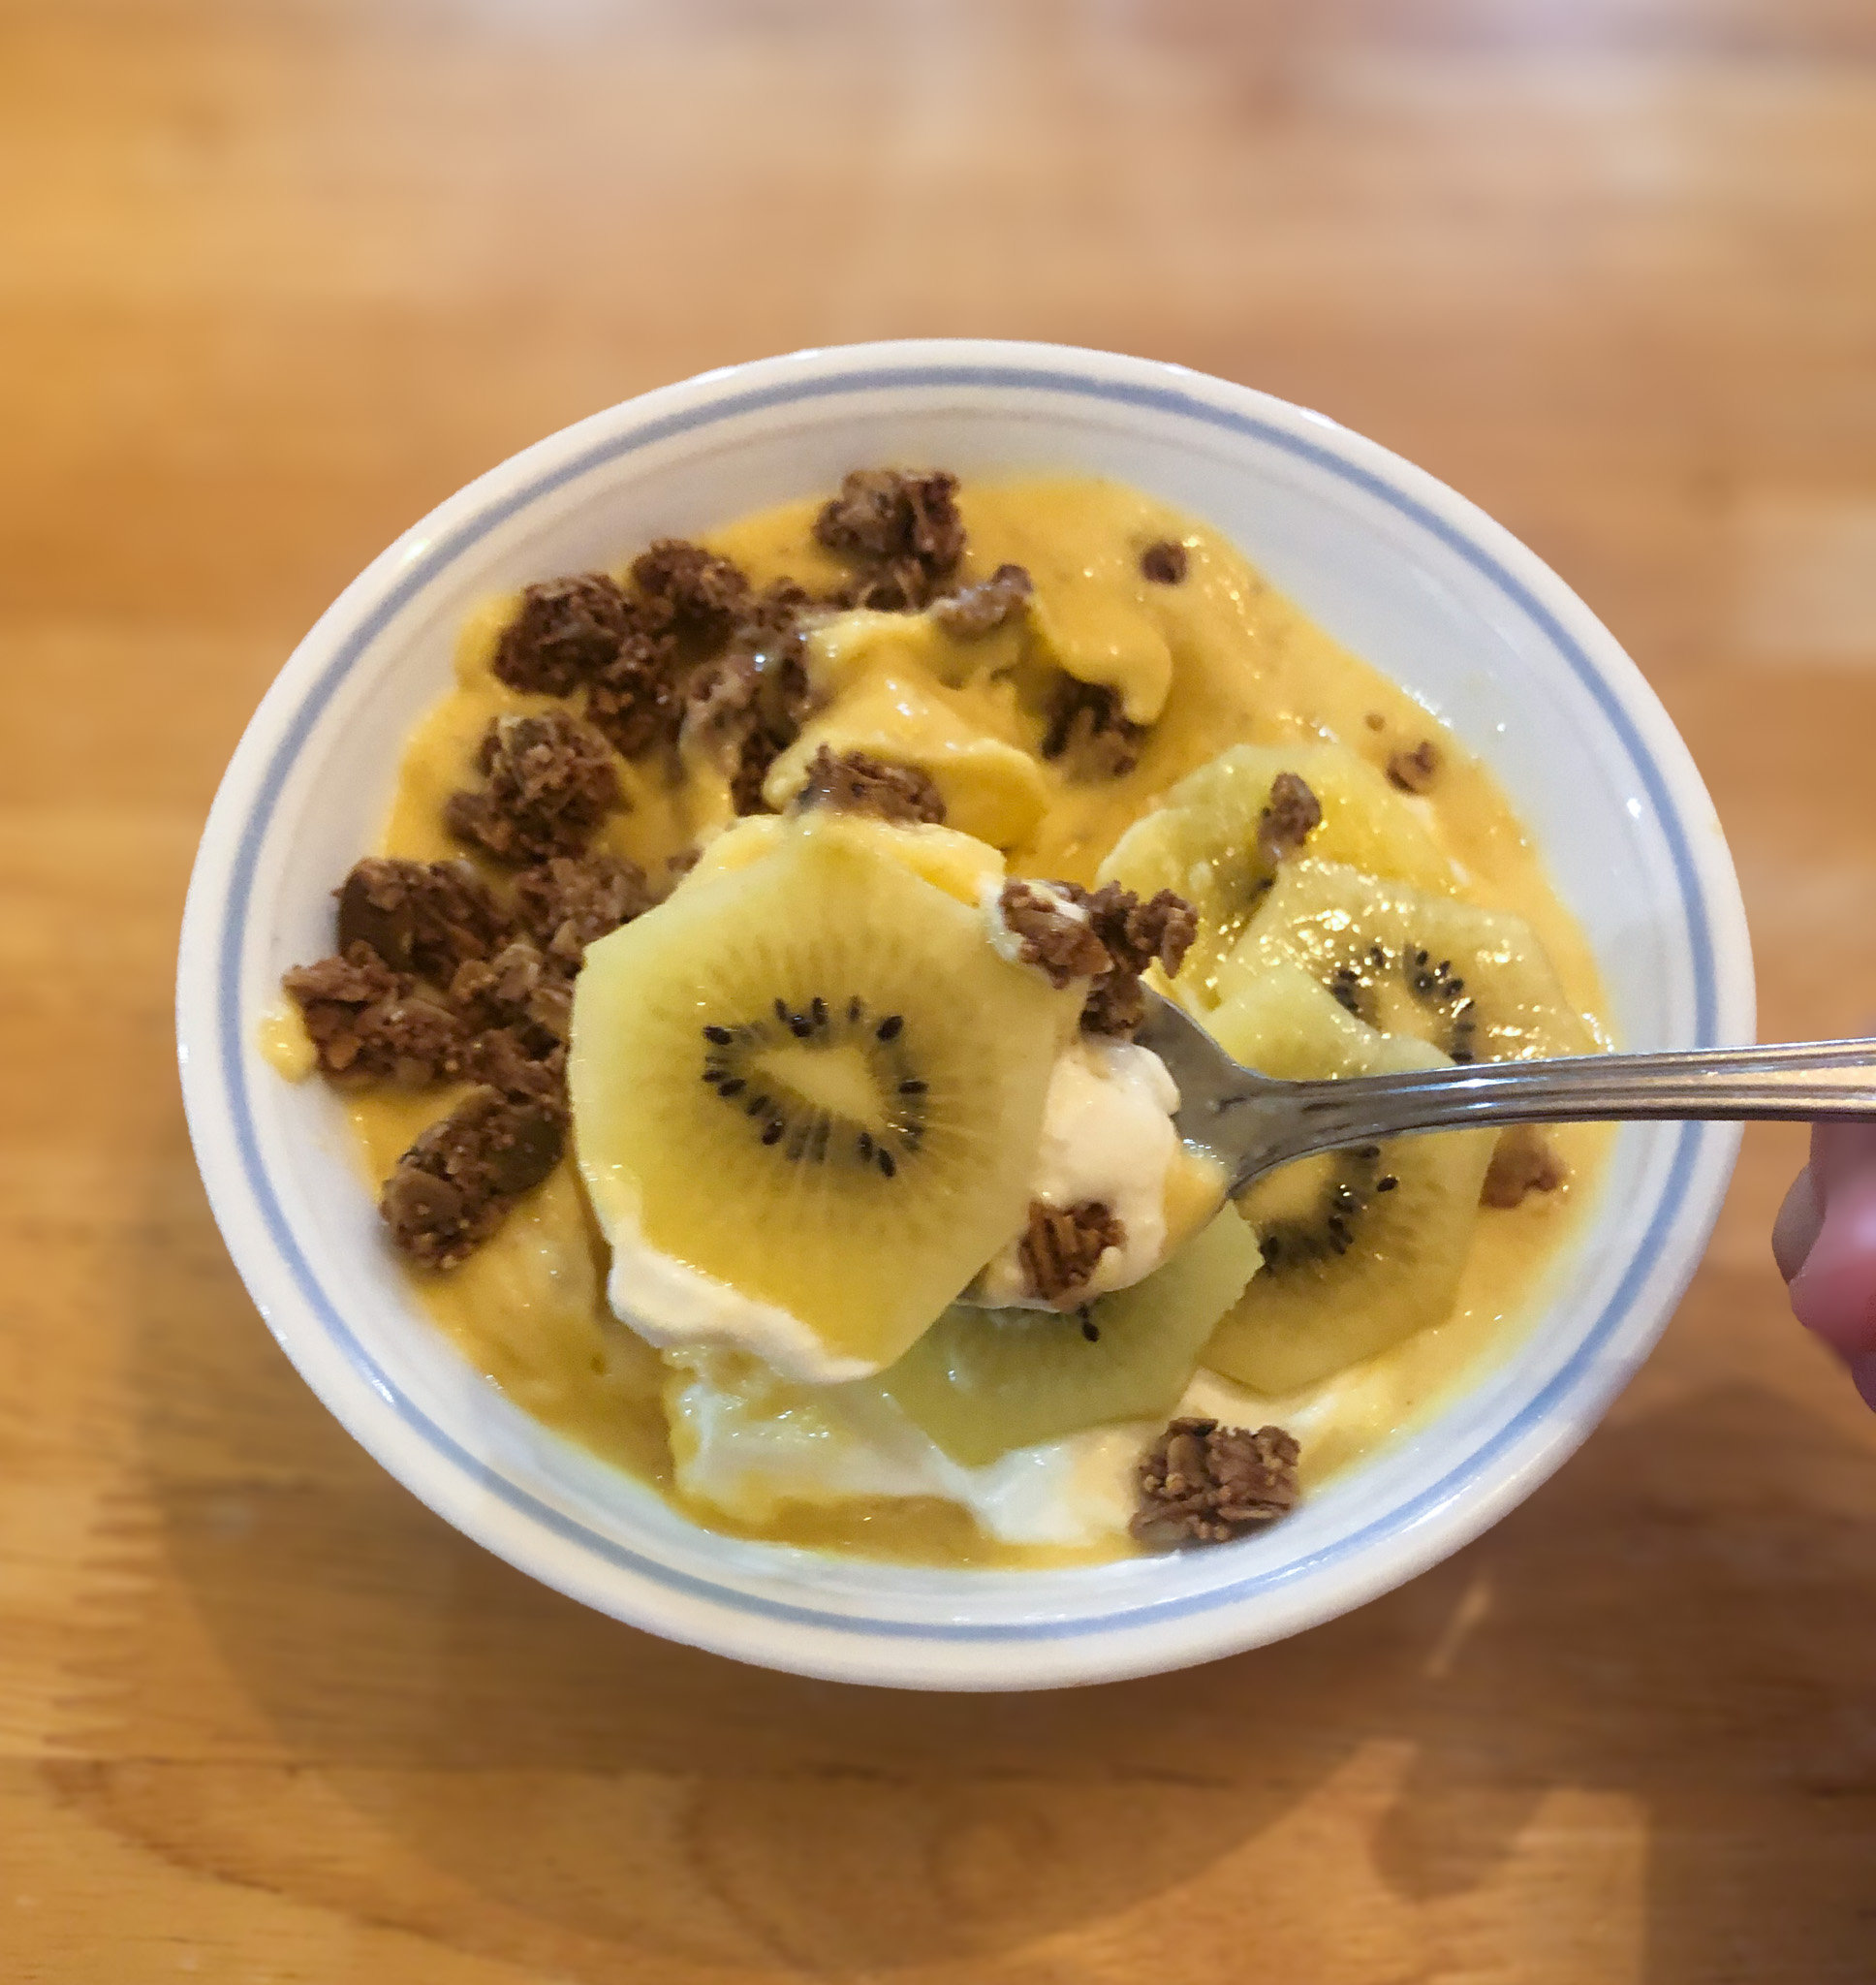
x,y
1253,1123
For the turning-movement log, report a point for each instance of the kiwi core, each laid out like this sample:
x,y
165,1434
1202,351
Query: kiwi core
x,y
1408,992
827,1081
1310,1210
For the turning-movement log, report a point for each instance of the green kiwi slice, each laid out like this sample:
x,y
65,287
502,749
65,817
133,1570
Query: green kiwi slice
x,y
984,1381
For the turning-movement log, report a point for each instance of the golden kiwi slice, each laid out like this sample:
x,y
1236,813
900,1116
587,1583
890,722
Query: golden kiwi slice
x,y
1361,1247
955,863
1219,841
1474,983
811,1079
984,1381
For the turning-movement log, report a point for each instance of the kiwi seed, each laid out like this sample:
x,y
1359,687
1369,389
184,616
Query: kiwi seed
x,y
1330,1228
1434,987
802,1131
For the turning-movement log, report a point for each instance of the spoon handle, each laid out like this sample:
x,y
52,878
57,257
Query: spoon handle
x,y
1802,1081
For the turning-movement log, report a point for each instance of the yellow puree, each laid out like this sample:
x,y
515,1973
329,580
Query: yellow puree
x,y
1217,660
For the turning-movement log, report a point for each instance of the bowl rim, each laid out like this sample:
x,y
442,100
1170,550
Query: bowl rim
x,y
1157,1635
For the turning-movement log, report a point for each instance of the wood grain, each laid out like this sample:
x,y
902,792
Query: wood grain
x,y
272,280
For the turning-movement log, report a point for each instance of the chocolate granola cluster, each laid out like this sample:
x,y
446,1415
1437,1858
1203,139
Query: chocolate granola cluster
x,y
437,980
1105,935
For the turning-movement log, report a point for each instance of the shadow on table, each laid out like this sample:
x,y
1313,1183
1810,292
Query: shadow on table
x,y
400,1729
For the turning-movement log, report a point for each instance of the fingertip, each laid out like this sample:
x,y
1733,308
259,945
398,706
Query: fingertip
x,y
1833,1293
1863,1370
1794,1232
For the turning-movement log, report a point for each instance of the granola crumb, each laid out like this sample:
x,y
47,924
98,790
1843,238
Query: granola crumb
x,y
511,1060
423,917
901,532
1105,936
1062,1247
516,990
1163,563
570,902
746,713
451,1190
1201,1483
980,609
549,782
1415,770
566,632
689,606
693,592
369,1022
635,701
1051,925
1292,815
745,708
1523,1162
1136,936
855,782
1086,728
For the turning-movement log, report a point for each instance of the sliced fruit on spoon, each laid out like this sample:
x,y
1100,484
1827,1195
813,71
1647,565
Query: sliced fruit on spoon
x,y
811,1084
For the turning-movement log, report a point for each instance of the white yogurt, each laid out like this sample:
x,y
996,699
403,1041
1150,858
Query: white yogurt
x,y
751,1447
676,1306
1107,1136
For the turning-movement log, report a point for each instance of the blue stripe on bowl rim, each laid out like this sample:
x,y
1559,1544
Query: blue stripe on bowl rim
x,y
435,559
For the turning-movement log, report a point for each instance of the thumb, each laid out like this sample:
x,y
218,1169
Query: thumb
x,y
1834,1292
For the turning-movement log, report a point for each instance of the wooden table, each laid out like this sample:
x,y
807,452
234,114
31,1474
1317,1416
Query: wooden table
x,y
275,278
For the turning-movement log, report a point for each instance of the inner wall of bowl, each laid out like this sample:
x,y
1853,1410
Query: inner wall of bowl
x,y
1394,590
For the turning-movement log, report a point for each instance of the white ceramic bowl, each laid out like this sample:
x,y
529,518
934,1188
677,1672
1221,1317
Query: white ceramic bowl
x,y
1399,568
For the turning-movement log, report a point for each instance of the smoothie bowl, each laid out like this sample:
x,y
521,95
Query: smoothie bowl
x,y
703,1152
